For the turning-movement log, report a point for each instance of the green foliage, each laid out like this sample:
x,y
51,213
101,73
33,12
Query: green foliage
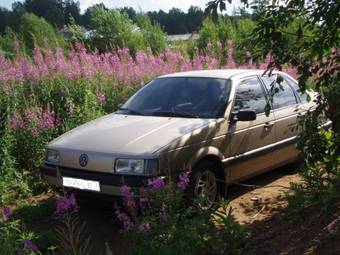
x,y
305,35
35,31
72,102
77,32
220,31
113,30
33,212
153,35
12,233
6,42
19,185
242,38
176,226
319,44
72,235
32,31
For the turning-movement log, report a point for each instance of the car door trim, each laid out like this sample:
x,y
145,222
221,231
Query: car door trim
x,y
261,150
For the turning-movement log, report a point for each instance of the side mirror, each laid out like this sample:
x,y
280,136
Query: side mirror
x,y
246,115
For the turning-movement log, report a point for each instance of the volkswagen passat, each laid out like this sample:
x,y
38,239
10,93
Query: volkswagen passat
x,y
212,122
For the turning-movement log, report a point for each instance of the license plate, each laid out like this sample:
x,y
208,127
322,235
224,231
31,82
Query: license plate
x,y
81,184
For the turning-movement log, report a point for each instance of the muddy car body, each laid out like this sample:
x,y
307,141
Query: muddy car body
x,y
214,123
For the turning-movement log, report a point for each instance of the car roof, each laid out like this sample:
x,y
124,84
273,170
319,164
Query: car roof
x,y
216,73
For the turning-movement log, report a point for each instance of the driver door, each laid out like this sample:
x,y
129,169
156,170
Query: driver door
x,y
248,139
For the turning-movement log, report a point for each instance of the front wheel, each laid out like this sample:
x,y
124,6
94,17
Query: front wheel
x,y
204,185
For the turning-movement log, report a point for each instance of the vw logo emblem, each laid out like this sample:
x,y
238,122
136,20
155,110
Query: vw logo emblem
x,y
83,159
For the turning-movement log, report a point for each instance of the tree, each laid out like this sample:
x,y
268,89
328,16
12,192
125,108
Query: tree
x,y
86,18
113,29
153,35
130,12
34,31
314,28
5,19
71,9
50,10
195,17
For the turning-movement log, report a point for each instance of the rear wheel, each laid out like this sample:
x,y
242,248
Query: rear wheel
x,y
204,186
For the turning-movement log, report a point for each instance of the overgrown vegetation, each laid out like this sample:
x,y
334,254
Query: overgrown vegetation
x,y
160,221
50,84
305,34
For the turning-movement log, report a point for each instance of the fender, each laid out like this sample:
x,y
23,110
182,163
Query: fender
x,y
203,152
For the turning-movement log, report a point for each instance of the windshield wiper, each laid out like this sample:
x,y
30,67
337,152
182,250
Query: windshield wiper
x,y
175,114
130,111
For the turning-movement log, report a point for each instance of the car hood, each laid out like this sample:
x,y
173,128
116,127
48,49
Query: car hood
x,y
127,134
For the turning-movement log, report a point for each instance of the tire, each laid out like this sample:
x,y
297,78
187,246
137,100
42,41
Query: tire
x,y
203,185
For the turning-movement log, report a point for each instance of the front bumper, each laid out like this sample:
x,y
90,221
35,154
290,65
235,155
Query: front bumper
x,y
109,183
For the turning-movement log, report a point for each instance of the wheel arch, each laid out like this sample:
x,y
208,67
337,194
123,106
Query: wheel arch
x,y
212,154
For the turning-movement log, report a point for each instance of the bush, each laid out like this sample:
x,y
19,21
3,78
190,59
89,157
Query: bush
x,y
14,239
36,31
214,37
153,35
113,30
160,221
321,175
56,90
33,32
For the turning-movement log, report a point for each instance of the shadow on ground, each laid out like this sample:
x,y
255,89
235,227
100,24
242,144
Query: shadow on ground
x,y
104,229
259,204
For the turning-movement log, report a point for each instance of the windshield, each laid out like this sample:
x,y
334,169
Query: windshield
x,y
187,97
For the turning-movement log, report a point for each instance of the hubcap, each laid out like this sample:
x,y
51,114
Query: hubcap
x,y
206,188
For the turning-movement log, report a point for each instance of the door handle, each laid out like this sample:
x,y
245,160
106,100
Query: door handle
x,y
268,125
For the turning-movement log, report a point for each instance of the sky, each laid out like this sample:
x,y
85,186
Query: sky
x,y
144,5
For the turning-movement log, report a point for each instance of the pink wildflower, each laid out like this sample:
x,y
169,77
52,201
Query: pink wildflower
x,y
30,245
16,121
156,183
144,202
125,219
209,45
47,120
65,204
144,227
128,197
101,99
163,216
6,213
183,181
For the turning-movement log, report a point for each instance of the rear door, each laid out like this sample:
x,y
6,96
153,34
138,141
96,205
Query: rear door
x,y
288,111
286,107
248,137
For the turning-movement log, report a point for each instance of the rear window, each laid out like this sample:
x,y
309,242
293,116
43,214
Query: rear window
x,y
281,93
295,86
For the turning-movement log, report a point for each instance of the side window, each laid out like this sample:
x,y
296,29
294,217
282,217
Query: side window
x,y
250,96
282,94
295,85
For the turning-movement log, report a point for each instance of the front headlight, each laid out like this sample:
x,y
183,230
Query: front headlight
x,y
52,156
136,166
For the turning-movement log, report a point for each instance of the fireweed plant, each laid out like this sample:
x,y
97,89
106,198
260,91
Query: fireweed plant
x,y
58,89
71,233
14,238
160,221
